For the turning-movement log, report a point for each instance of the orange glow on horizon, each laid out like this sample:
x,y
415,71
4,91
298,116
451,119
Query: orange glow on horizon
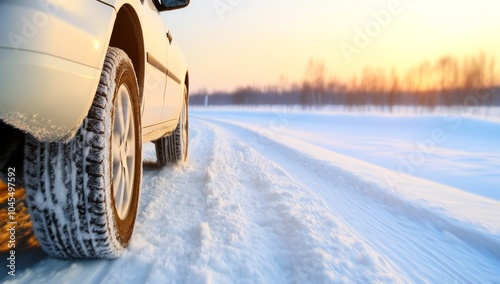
x,y
259,42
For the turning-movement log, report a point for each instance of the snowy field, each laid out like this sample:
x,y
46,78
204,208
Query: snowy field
x,y
279,196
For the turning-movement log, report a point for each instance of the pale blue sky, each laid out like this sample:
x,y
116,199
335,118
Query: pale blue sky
x,y
230,43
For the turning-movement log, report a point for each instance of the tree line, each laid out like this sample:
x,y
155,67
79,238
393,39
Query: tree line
x,y
449,81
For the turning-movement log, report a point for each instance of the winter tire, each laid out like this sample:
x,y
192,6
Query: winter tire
x,y
173,148
83,195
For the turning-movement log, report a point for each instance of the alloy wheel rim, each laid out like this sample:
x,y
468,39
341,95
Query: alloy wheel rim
x,y
123,149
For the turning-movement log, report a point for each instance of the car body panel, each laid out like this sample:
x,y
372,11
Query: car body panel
x,y
46,110
50,60
51,56
176,69
155,45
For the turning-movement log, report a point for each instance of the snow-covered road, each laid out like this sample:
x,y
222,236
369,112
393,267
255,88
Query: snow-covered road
x,y
265,198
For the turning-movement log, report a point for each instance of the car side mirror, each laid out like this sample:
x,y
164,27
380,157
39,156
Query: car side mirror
x,y
167,5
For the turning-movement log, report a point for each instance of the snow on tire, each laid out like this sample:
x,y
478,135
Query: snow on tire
x,y
173,148
83,195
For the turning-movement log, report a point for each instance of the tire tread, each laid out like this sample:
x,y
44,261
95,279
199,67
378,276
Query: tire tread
x,y
76,223
169,148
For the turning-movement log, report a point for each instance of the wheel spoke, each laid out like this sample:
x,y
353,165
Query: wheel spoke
x,y
126,186
119,123
127,120
116,151
123,189
117,178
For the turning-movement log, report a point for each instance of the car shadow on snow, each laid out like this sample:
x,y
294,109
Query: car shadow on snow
x,y
151,165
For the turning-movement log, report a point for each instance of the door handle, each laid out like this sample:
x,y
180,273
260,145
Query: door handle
x,y
169,36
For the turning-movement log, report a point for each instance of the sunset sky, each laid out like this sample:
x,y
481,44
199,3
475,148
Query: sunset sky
x,y
231,43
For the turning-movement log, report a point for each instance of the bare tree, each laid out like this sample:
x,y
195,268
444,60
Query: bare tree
x,y
313,87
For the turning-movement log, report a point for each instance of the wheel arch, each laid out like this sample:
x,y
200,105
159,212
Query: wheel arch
x,y
127,35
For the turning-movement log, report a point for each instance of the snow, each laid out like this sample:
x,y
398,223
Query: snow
x,y
42,129
280,196
450,148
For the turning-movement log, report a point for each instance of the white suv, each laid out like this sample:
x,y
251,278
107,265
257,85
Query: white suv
x,y
83,83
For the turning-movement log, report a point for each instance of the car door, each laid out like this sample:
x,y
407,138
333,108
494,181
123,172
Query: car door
x,y
155,44
173,90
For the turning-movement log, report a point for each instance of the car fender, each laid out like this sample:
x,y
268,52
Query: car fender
x,y
51,58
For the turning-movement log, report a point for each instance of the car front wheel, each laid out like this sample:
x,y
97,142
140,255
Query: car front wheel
x,y
83,195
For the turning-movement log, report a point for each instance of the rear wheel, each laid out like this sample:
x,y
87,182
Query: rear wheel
x,y
174,147
83,195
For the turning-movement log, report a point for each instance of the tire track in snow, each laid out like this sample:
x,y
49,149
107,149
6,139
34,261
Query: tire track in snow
x,y
288,231
167,238
397,232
